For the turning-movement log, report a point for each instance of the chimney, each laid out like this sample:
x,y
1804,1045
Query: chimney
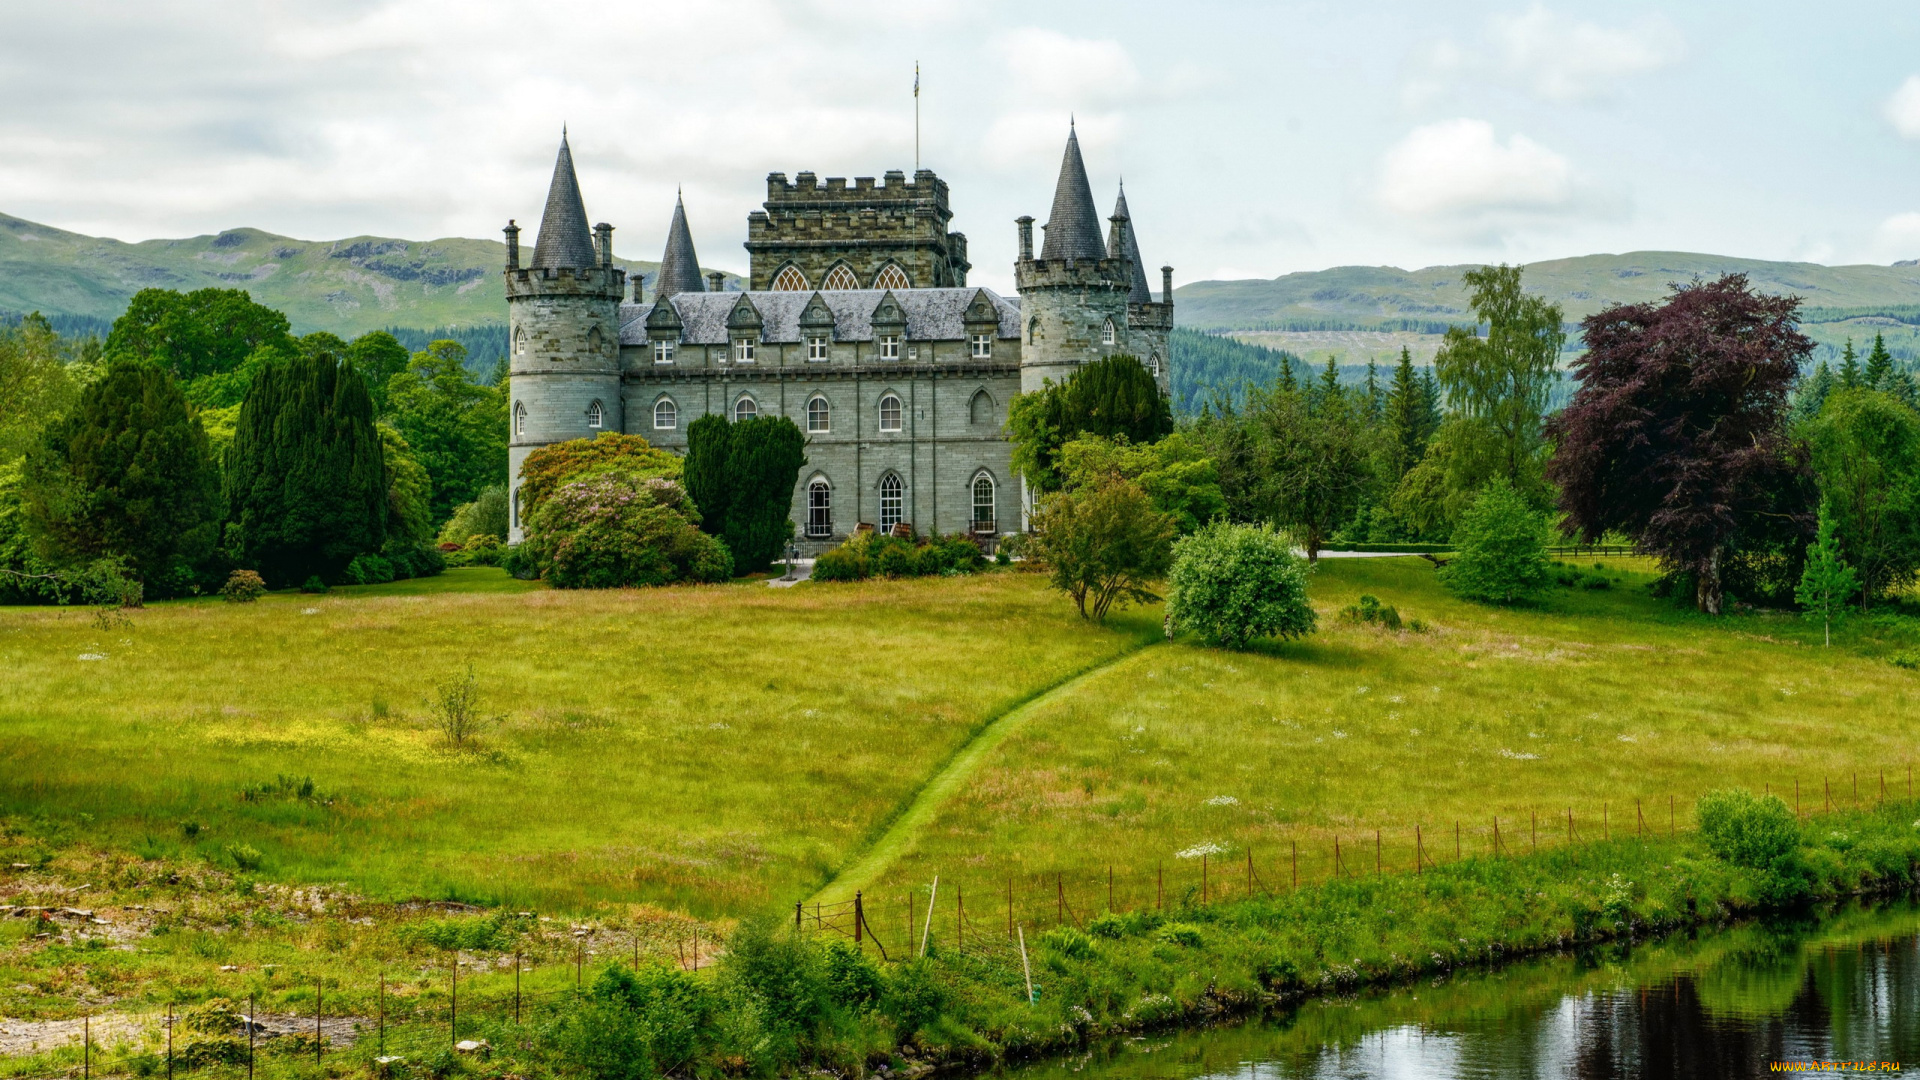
x,y
1025,221
603,243
513,245
1166,284
716,281
639,280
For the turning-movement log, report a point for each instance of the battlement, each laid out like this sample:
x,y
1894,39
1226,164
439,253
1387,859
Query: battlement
x,y
600,282
1073,273
891,234
807,189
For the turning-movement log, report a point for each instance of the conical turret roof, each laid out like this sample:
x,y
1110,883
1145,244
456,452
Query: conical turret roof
x,y
565,239
1073,228
1141,294
679,266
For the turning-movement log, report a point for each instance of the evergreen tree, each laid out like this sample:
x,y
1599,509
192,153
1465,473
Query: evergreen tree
x,y
709,447
456,427
1328,392
1812,395
1828,582
1405,411
306,476
1429,405
126,474
1849,368
1879,372
1113,397
1376,398
1287,382
764,457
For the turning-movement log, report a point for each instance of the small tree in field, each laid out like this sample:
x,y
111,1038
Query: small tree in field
x,y
456,709
1234,583
1103,544
1828,582
1502,548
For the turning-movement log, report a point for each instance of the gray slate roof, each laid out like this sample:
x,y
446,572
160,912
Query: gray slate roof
x,y
679,266
565,240
1141,294
932,314
1073,229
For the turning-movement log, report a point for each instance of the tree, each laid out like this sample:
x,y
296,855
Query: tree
x,y
1234,583
126,475
1879,370
1865,452
197,334
1849,368
1811,395
1313,464
1676,435
456,427
1406,420
1113,396
484,516
35,385
307,483
709,448
612,531
1500,548
1102,545
1828,582
1174,472
379,356
409,491
1502,381
765,454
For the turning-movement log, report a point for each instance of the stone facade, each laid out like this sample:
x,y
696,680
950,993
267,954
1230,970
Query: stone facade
x,y
809,228
901,391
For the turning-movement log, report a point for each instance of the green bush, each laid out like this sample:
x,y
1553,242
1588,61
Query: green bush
x,y
783,975
873,554
245,857
1185,935
314,584
1501,547
852,979
243,587
840,564
369,570
915,997
1747,829
892,557
1371,610
1067,942
1234,583
609,532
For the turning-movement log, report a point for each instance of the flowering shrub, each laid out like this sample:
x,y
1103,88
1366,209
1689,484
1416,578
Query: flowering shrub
x,y
611,531
243,587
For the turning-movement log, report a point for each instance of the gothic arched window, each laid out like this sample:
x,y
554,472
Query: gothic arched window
x,y
892,500
980,409
666,416
1109,335
519,341
789,279
840,277
818,414
890,413
519,418
594,416
983,515
819,507
891,277
745,408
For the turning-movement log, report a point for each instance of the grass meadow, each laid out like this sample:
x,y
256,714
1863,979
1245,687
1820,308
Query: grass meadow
x,y
1589,702
706,749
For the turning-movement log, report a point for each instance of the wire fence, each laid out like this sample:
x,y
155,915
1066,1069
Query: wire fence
x,y
989,918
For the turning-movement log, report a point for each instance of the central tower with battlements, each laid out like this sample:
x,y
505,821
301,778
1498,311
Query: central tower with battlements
x,y
826,235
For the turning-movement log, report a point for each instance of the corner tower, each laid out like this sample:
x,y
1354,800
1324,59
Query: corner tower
x,y
563,331
1073,298
1149,325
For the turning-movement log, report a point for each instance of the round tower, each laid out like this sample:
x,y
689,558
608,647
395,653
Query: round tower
x,y
563,331
1073,298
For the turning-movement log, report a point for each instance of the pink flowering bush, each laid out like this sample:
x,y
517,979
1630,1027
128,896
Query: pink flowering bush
x,y
610,531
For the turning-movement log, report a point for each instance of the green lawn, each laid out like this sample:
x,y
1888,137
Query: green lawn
x,y
708,749
1592,701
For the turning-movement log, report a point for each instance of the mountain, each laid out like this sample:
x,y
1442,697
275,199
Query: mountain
x,y
345,286
1357,311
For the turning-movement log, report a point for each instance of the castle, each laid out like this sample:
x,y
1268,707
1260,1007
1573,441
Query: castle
x,y
857,324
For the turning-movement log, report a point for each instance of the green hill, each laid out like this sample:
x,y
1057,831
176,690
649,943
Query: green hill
x,y
345,286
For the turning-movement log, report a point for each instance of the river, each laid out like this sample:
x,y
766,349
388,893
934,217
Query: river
x,y
1832,990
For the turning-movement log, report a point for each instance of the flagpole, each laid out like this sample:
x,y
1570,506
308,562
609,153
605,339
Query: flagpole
x,y
916,116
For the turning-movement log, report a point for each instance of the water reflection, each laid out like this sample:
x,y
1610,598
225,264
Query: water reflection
x,y
1844,988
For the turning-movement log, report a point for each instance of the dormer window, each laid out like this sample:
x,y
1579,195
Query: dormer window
x,y
980,346
594,416
889,346
816,349
663,352
1109,335
743,350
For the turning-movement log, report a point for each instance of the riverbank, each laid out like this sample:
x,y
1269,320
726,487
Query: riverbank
x,y
767,1001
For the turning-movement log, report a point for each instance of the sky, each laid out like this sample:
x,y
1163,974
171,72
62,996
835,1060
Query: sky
x,y
1255,139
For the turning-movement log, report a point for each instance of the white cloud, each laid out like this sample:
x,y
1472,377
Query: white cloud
x,y
1050,67
1903,108
1456,179
1898,237
1565,59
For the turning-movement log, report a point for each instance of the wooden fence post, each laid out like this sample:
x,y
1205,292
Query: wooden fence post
x,y
1249,873
1456,841
1009,905
1060,898
1418,855
453,1023
1203,878
1533,837
796,916
516,991
859,919
1378,869
1496,836
1296,865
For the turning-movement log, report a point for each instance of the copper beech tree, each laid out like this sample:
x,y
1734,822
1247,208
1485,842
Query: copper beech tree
x,y
1677,433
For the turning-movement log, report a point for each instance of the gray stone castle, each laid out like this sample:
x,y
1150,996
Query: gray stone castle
x,y
857,324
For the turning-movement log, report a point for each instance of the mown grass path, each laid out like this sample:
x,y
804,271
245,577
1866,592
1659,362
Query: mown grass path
x,y
950,777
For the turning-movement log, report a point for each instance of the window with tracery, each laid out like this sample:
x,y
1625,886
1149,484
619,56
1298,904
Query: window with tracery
x,y
983,515
892,277
840,277
594,415
789,279
1108,336
819,508
892,500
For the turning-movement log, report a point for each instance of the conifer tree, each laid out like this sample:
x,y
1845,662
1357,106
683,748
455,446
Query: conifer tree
x,y
1429,406
709,445
1879,371
1828,582
127,474
1849,368
1813,393
764,457
1328,392
306,476
1376,398
1405,412
1287,382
